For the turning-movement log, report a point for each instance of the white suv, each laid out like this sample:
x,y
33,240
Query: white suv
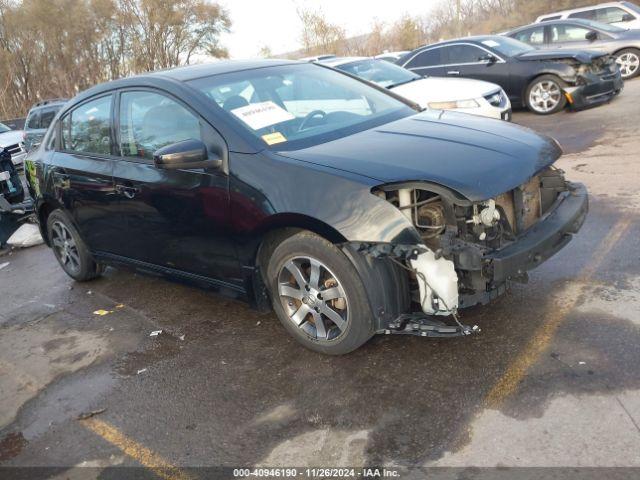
x,y
622,14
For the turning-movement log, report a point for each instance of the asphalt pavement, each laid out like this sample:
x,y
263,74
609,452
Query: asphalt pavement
x,y
551,381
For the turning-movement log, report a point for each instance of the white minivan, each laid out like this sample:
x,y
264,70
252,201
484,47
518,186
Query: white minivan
x,y
622,14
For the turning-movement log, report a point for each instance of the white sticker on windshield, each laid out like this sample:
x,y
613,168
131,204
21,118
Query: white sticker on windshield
x,y
264,114
491,43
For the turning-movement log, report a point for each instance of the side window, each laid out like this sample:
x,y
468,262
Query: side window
x,y
149,121
532,36
87,128
46,117
459,54
610,15
568,33
427,58
586,15
33,122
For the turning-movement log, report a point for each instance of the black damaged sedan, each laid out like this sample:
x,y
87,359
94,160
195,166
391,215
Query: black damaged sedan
x,y
544,81
302,189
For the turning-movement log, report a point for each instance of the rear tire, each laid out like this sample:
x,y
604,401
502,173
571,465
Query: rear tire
x,y
318,295
545,96
628,61
69,248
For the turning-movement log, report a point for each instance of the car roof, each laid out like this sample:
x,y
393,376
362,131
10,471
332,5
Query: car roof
x,y
581,9
191,72
475,39
337,61
578,21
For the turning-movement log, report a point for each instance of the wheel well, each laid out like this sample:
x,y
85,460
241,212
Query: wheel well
x,y
43,213
625,48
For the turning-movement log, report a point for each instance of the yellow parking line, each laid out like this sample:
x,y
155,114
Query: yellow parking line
x,y
564,304
141,454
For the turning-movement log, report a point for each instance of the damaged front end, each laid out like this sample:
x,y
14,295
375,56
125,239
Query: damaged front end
x,y
472,251
595,81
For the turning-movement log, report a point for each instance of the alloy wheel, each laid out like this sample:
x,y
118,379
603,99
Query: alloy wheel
x,y
65,247
628,63
545,96
313,298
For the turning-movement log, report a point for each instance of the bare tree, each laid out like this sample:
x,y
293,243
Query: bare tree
x,y
319,35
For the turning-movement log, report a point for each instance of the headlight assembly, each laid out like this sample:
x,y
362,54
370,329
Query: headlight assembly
x,y
471,103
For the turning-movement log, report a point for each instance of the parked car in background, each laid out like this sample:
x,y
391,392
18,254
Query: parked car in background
x,y
298,187
622,44
38,120
621,14
543,81
392,57
462,94
11,141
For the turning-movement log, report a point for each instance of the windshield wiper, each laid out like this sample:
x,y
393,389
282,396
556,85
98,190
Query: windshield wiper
x,y
394,85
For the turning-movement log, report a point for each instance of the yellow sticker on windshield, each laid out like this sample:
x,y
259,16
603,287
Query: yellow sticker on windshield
x,y
273,138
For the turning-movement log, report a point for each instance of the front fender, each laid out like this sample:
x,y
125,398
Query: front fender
x,y
265,188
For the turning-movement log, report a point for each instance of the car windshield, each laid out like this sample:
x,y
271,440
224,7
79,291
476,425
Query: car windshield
x,y
290,105
381,72
605,27
507,46
4,128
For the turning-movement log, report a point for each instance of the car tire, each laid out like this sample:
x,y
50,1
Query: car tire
x,y
301,268
69,248
628,61
545,95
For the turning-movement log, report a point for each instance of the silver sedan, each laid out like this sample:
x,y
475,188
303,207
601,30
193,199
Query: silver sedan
x,y
623,44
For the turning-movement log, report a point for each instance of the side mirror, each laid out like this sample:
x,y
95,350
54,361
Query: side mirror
x,y
488,58
591,35
184,155
627,17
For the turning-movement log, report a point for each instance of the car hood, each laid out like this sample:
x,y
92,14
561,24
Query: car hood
x,y
10,138
477,157
435,89
582,56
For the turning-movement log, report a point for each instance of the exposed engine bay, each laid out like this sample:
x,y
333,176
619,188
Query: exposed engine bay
x,y
464,258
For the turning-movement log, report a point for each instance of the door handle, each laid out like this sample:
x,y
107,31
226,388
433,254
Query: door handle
x,y
453,72
127,190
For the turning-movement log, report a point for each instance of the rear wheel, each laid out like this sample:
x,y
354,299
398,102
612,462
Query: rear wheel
x,y
70,251
545,95
628,61
318,295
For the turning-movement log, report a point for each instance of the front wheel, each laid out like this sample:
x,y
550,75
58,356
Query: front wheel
x,y
545,96
69,248
318,295
628,61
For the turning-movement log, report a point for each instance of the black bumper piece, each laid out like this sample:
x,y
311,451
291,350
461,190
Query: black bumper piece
x,y
595,92
542,240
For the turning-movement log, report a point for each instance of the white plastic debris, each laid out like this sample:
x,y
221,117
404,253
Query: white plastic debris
x,y
142,370
582,363
181,337
2,265
28,235
155,333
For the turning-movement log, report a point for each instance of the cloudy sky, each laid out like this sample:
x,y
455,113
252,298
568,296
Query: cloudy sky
x,y
275,23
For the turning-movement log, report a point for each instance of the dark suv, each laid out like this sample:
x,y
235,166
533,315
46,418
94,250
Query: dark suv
x,y
298,187
38,120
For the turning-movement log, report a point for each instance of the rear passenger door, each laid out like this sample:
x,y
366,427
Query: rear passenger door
x,y
427,63
173,219
81,171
